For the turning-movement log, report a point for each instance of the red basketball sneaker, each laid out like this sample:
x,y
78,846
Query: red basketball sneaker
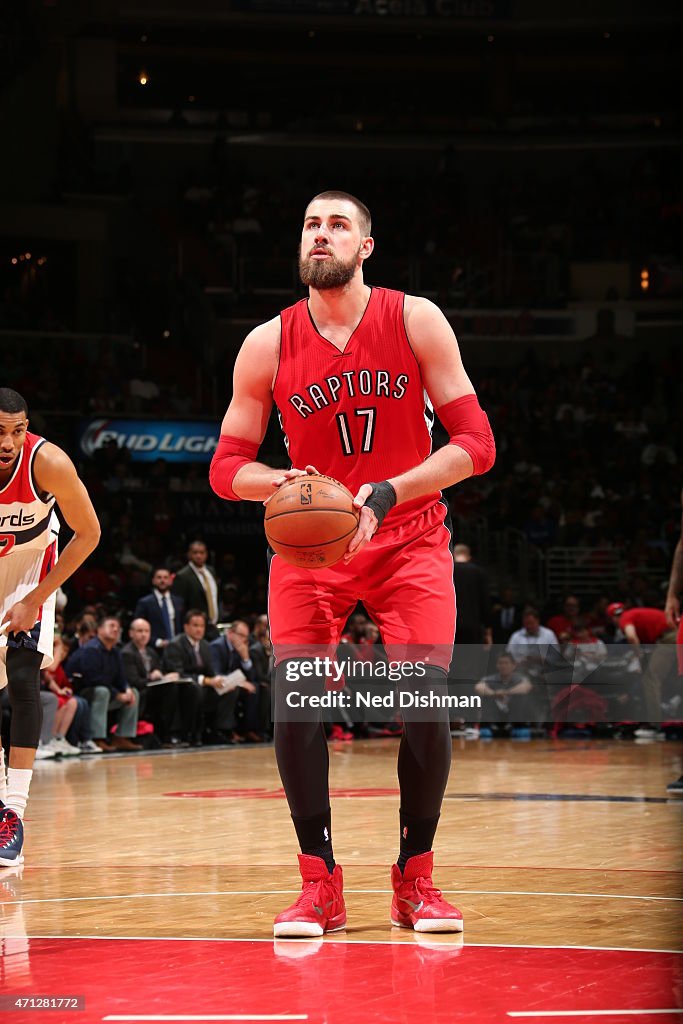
x,y
320,907
417,903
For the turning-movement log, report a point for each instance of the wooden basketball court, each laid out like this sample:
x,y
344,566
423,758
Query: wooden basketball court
x,y
151,882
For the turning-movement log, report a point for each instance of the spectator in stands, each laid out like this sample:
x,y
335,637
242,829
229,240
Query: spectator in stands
x,y
506,695
71,730
231,654
565,624
597,618
170,697
86,629
472,598
595,694
362,644
586,651
49,705
261,654
531,645
649,626
506,616
162,609
355,629
196,585
473,626
190,655
96,670
261,649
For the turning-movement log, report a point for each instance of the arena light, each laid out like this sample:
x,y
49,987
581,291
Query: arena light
x,y
143,78
644,280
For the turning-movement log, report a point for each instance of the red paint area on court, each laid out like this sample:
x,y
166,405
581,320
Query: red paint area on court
x,y
273,794
337,982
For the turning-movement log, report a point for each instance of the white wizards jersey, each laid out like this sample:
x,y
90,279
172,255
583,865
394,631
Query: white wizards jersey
x,y
28,549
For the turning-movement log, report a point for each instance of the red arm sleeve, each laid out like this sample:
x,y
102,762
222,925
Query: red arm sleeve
x,y
468,427
231,454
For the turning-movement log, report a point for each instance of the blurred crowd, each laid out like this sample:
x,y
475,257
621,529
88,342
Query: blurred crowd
x,y
461,231
170,672
588,456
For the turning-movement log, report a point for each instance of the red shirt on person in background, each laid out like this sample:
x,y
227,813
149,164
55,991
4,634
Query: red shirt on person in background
x,y
649,623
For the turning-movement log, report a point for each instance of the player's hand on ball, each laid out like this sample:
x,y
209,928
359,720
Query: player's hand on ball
x,y
367,524
374,501
291,474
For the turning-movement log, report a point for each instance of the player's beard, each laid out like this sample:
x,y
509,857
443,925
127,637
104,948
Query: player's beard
x,y
326,274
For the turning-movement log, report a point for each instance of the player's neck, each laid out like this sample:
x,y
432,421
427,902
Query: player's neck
x,y
339,306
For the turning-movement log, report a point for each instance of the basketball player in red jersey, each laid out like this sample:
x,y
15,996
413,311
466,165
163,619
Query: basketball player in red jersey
x,y
355,373
34,474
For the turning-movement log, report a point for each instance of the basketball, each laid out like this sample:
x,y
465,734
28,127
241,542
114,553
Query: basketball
x,y
310,521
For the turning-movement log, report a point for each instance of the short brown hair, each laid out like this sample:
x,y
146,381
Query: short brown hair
x,y
364,218
194,613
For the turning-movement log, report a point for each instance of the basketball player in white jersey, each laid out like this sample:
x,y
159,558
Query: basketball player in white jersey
x,y
34,475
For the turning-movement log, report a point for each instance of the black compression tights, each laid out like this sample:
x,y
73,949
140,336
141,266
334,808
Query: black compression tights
x,y
424,761
23,675
303,762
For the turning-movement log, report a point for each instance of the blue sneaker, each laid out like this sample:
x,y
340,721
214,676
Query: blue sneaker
x,y
11,838
521,733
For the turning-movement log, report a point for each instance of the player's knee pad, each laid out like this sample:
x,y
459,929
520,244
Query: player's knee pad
x,y
23,674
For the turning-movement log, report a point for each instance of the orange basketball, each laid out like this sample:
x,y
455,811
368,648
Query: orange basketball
x,y
310,521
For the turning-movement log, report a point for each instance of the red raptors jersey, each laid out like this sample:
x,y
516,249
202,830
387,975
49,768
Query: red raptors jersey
x,y
27,522
360,415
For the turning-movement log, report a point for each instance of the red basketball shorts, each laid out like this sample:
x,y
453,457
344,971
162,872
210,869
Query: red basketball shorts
x,y
404,577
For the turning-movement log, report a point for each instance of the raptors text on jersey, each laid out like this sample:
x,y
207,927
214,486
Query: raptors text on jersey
x,y
360,415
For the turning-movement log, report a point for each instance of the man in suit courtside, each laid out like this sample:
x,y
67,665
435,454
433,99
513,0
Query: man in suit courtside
x,y
169,704
196,585
231,652
191,656
163,610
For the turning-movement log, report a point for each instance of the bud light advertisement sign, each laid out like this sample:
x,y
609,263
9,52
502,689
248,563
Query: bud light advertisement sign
x,y
149,440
